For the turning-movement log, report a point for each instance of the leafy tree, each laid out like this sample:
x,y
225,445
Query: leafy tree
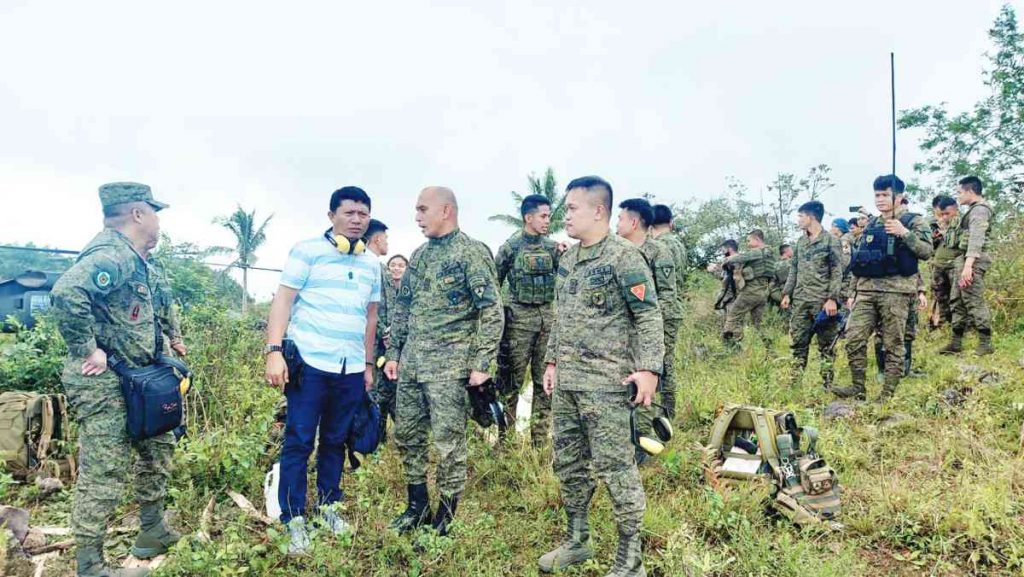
x,y
248,239
784,191
545,186
986,141
818,180
193,282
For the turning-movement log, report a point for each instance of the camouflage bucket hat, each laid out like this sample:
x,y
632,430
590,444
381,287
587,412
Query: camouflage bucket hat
x,y
122,192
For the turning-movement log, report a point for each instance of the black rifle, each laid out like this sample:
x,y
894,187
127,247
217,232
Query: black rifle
x,y
729,291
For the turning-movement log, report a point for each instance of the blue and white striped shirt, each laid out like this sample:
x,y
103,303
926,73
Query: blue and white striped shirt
x,y
328,322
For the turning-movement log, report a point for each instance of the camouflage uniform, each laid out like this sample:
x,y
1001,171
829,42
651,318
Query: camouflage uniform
x,y
943,265
528,263
383,392
607,326
446,322
968,303
846,243
663,269
883,302
106,301
778,284
815,276
758,268
163,303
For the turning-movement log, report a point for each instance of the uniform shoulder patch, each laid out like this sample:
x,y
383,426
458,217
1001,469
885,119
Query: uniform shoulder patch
x,y
102,279
639,291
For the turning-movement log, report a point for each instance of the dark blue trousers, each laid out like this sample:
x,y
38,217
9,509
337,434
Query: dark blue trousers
x,y
329,401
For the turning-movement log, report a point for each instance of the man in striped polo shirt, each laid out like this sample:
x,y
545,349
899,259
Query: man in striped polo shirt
x,y
327,300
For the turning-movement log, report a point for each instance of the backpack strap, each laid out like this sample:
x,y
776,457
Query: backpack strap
x,y
46,430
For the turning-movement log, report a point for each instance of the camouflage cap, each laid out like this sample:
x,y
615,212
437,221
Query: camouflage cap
x,y
121,192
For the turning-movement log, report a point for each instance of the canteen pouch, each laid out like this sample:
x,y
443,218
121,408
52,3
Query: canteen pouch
x,y
152,396
816,478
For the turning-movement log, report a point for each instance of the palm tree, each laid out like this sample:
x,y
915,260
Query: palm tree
x,y
545,186
248,239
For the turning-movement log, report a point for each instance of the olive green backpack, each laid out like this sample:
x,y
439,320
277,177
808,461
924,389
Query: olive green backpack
x,y
34,435
753,442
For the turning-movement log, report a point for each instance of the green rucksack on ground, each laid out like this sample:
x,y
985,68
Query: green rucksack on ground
x,y
34,436
750,442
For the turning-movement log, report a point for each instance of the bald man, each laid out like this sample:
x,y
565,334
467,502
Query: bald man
x,y
445,330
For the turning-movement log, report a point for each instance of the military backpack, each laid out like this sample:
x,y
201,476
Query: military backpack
x,y
34,436
749,442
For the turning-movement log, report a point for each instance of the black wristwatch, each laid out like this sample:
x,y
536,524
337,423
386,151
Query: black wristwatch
x,y
272,349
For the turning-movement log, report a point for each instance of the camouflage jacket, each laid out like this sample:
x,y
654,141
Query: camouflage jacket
x,y
163,302
384,307
663,269
815,270
756,263
846,242
919,241
106,300
528,263
447,318
973,238
607,322
779,280
945,241
675,244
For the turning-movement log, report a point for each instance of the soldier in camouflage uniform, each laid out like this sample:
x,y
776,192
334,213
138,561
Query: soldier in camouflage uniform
x,y
776,289
383,392
445,328
607,333
104,306
758,268
166,312
661,230
945,220
968,292
884,283
813,285
527,262
633,225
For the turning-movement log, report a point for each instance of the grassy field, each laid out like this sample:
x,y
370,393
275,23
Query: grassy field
x,y
932,481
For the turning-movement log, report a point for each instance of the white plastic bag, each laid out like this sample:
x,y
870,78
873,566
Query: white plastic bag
x,y
270,486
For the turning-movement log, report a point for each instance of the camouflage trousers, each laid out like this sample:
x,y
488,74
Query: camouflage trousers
x,y
968,303
942,290
105,453
751,300
910,331
439,410
527,328
592,437
383,393
667,385
886,312
801,331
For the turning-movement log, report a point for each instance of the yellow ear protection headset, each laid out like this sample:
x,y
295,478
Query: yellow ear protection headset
x,y
343,244
661,425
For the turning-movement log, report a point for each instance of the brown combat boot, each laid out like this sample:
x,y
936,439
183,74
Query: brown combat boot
x,y
984,344
888,389
854,391
956,344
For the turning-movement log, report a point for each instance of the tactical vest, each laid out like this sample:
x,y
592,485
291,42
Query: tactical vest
x,y
763,267
963,230
532,279
871,259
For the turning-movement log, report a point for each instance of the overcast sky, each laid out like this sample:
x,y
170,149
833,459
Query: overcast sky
x,y
216,104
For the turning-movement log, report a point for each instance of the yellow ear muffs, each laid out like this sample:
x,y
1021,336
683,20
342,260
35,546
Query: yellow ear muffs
x,y
650,446
345,246
661,425
662,428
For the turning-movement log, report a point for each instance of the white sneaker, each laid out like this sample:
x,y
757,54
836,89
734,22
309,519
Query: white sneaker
x,y
299,544
335,523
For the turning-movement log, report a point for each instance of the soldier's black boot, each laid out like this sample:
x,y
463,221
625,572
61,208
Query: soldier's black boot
x,y
956,344
984,343
854,391
575,549
91,563
908,357
445,514
879,359
628,562
156,537
417,513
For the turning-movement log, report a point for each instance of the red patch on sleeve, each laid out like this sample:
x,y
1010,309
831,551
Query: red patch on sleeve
x,y
639,291
135,313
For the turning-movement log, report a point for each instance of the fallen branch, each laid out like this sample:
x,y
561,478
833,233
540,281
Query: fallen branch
x,y
204,522
61,546
247,506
